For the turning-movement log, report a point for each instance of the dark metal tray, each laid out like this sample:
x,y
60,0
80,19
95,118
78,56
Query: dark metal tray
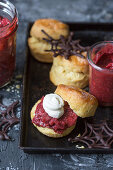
x,y
36,84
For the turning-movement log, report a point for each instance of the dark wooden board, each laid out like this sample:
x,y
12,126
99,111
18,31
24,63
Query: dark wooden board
x,y
36,84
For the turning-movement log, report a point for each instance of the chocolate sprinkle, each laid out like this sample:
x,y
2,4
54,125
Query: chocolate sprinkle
x,y
65,46
7,119
95,135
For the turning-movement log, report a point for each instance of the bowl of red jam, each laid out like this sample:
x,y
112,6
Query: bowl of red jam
x,y
8,28
100,58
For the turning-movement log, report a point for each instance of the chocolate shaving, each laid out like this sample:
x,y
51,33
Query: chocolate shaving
x,y
95,135
65,46
7,119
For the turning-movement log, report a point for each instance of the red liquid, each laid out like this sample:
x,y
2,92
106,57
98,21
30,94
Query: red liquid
x,y
101,82
7,50
42,119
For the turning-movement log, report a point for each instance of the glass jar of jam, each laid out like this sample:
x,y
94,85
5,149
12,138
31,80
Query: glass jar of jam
x,y
100,58
8,28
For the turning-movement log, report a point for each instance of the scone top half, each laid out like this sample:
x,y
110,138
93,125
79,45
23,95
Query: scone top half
x,y
37,45
52,27
80,101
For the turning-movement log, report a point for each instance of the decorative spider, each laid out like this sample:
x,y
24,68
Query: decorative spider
x,y
7,119
65,46
95,135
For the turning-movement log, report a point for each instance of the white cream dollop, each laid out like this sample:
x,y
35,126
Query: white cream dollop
x,y
53,104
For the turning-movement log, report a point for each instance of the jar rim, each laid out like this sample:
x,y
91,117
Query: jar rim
x,y
91,61
14,19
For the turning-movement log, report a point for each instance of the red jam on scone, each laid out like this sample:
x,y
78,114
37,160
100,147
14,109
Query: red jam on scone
x,y
42,118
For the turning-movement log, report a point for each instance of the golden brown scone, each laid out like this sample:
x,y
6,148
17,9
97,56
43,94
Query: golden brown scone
x,y
52,27
47,131
38,46
74,71
80,101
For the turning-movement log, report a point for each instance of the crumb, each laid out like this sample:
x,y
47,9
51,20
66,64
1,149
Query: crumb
x,y
18,86
19,76
80,147
8,89
79,135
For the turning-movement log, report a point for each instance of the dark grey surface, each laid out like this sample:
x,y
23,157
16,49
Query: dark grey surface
x,y
11,157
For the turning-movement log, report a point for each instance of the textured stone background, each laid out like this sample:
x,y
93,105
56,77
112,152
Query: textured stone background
x,y
11,157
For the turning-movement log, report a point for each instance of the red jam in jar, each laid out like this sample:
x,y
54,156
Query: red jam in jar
x,y
100,58
8,28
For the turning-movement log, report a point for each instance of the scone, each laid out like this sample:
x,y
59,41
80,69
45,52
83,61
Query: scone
x,y
55,115
74,71
50,125
81,102
36,43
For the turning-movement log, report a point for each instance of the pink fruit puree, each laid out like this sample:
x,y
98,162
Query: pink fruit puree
x,y
42,119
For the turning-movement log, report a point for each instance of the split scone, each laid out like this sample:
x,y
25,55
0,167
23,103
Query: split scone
x,y
55,115
36,43
74,71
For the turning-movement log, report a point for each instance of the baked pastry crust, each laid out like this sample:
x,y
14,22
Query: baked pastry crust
x,y
74,71
80,101
47,131
52,27
38,46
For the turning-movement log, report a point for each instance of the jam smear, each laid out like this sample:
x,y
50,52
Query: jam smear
x,y
42,119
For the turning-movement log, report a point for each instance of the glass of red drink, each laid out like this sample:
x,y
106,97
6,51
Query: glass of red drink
x,y
8,28
100,58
